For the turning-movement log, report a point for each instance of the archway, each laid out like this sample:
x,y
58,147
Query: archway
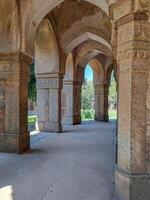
x,y
37,11
87,95
112,96
48,79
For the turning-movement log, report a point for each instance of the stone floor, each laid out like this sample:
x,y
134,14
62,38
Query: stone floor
x,y
75,165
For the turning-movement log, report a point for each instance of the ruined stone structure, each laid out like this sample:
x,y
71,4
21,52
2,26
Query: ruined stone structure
x,y
62,36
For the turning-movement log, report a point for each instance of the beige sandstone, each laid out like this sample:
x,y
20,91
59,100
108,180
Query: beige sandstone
x,y
62,37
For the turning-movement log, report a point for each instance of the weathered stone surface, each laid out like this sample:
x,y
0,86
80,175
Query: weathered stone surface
x,y
109,31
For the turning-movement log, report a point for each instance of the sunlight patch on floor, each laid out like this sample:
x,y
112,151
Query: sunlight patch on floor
x,y
6,193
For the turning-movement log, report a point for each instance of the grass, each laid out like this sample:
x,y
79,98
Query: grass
x,y
112,114
32,119
86,115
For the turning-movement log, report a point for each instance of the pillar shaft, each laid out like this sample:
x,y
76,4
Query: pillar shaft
x,y
68,103
14,73
101,102
49,102
77,102
106,105
132,176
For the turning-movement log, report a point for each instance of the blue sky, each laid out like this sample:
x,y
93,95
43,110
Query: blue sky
x,y
88,73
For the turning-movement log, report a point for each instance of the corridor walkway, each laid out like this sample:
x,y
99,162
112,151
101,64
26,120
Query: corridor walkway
x,y
74,165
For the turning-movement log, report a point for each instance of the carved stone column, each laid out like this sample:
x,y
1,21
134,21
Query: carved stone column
x,y
101,102
106,106
77,102
133,52
68,103
14,74
49,102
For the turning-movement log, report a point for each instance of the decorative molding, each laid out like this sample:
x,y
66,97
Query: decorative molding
x,y
130,17
47,83
16,57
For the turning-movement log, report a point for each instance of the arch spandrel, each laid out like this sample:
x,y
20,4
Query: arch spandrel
x,y
69,69
46,49
9,26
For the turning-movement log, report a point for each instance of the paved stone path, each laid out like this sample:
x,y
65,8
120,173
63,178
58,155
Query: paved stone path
x,y
75,165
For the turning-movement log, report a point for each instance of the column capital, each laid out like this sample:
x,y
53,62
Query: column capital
x,y
16,56
13,65
121,8
132,17
68,82
133,38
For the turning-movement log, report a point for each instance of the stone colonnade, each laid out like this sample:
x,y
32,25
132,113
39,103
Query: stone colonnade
x,y
71,100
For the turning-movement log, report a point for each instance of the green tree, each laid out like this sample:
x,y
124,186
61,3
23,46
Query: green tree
x,y
32,84
87,95
112,90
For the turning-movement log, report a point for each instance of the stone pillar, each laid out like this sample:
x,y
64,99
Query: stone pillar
x,y
101,102
14,74
68,103
133,50
106,104
49,102
77,102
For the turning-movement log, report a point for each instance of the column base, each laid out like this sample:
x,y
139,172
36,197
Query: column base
x,y
55,127
97,118
68,120
131,187
106,118
102,119
77,120
14,143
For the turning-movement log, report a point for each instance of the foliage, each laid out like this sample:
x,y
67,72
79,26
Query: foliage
x,y
87,114
112,90
32,119
32,84
112,114
87,95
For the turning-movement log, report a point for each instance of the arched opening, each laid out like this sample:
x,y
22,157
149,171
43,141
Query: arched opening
x,y
87,95
32,102
112,97
44,83
38,10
